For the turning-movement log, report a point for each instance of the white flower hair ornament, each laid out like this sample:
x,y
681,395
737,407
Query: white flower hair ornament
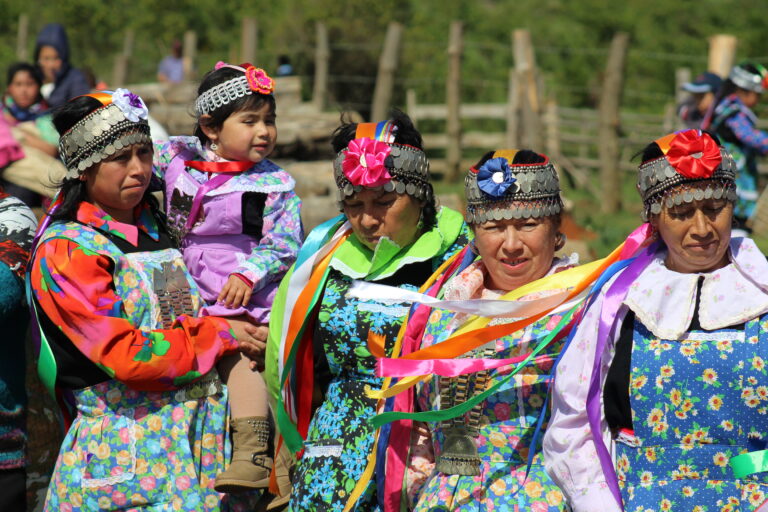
x,y
130,104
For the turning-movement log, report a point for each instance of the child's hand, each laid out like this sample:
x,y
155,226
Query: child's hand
x,y
235,293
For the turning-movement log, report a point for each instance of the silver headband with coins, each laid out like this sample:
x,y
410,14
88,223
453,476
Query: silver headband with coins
x,y
104,132
660,184
407,171
499,190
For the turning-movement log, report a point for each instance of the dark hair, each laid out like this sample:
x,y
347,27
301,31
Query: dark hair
x,y
33,71
73,190
406,134
523,156
216,118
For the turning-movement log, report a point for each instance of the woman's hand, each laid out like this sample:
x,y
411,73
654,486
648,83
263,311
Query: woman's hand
x,y
252,338
235,293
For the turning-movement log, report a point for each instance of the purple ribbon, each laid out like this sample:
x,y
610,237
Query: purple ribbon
x,y
608,316
206,187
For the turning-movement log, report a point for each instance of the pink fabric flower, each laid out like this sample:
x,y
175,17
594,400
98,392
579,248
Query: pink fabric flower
x,y
363,164
259,80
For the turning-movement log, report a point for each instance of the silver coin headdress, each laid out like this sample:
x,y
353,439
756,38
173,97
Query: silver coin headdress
x,y
693,167
499,189
120,122
253,80
373,160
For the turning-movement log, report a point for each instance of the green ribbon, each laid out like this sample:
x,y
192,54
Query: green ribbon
x,y
749,463
445,414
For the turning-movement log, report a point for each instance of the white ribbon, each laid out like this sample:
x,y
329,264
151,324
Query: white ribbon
x,y
488,308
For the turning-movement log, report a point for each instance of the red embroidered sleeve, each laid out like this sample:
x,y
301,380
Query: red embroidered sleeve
x,y
75,289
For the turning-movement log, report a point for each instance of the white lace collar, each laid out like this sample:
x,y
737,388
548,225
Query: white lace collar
x,y
664,300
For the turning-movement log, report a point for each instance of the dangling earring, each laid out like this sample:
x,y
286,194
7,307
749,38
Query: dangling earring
x,y
420,224
473,248
560,240
214,147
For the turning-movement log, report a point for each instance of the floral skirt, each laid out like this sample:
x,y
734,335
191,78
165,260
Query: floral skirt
x,y
500,486
147,451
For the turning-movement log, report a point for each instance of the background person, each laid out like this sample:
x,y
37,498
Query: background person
x,y
171,68
61,80
734,123
701,101
37,174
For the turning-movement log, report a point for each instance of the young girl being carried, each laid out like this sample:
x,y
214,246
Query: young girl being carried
x,y
236,218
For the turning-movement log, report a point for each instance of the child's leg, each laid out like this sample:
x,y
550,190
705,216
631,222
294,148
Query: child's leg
x,y
252,456
247,389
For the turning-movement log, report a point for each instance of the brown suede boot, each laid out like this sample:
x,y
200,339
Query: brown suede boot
x,y
284,464
251,456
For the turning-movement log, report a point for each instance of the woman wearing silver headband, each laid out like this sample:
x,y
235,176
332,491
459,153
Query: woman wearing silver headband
x,y
734,123
120,341
390,232
660,400
488,458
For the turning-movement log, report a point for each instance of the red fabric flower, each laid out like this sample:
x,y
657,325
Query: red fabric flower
x,y
694,154
259,80
363,164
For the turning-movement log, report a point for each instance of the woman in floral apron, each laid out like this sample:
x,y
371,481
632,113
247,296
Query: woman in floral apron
x,y
514,208
672,414
395,235
120,338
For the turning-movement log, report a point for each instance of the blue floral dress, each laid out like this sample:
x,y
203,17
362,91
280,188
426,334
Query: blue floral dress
x,y
340,438
696,403
505,421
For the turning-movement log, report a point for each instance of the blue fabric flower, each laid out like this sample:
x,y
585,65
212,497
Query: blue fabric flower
x,y
494,177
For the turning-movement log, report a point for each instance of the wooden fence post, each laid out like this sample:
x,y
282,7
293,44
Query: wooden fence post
x,y
410,106
21,38
122,61
249,40
453,103
609,122
189,54
513,110
385,79
530,99
552,124
322,57
682,76
722,52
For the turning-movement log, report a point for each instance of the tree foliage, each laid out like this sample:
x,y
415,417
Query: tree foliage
x,y
571,40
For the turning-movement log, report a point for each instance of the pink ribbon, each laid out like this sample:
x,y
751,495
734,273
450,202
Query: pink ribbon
x,y
445,367
400,431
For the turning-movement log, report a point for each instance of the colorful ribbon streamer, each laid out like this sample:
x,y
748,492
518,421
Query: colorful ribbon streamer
x,y
749,463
